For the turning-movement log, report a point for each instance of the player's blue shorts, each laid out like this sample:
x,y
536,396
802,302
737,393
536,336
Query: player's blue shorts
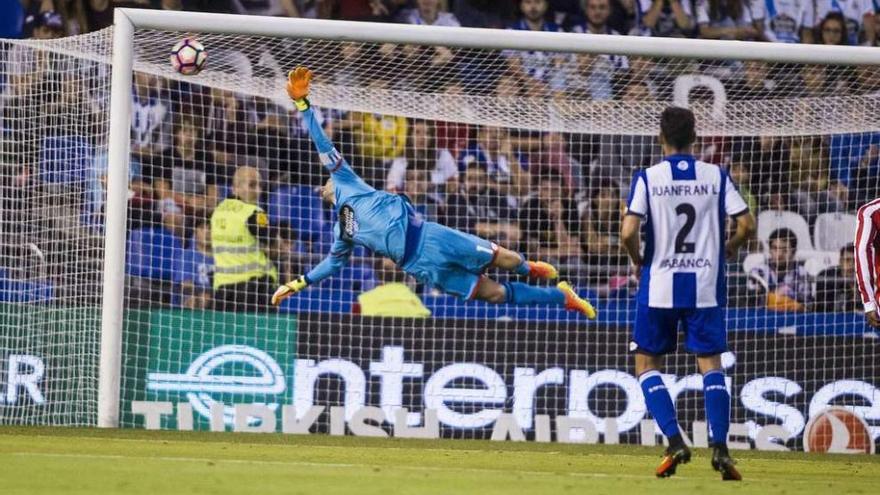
x,y
656,330
450,260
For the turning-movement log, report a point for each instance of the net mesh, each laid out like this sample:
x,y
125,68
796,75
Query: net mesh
x,y
531,150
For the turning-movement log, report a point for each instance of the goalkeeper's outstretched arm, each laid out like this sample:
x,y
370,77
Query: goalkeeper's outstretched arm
x,y
298,81
329,266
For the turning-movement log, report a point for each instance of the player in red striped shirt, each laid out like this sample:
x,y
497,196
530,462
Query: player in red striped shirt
x,y
867,247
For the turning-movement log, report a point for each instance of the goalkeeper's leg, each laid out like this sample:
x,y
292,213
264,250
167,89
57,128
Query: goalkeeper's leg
x,y
512,261
524,294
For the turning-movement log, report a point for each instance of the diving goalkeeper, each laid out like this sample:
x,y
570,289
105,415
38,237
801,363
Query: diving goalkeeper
x,y
387,224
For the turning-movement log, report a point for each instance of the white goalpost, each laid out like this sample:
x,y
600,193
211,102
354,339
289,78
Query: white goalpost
x,y
526,138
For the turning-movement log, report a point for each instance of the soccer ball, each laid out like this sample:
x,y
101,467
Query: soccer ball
x,y
188,57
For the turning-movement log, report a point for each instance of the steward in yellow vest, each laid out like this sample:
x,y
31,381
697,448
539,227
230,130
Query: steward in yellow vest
x,y
244,275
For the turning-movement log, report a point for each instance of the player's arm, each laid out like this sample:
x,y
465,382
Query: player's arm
x,y
298,82
745,229
636,210
329,266
629,238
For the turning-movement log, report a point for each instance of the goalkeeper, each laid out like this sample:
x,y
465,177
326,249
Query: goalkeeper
x,y
386,224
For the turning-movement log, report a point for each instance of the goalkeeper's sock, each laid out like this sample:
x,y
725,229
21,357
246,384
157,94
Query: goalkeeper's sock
x,y
717,406
659,403
523,268
522,294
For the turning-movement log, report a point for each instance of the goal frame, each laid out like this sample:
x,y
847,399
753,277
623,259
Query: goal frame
x,y
127,20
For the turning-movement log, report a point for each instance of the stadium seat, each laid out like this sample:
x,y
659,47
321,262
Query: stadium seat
x,y
821,261
770,221
151,253
833,231
65,159
301,207
752,260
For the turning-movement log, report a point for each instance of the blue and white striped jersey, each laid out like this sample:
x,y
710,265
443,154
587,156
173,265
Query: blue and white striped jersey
x,y
684,203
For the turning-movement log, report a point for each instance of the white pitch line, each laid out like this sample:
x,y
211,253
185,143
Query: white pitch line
x,y
326,465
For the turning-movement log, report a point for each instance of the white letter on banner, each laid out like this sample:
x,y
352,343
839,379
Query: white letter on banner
x,y
506,427
437,395
360,427
431,429
391,372
337,421
246,413
575,430
30,381
184,416
306,374
525,385
581,384
769,435
293,423
542,428
740,430
152,412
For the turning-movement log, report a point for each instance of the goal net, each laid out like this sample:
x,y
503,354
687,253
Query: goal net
x,y
532,150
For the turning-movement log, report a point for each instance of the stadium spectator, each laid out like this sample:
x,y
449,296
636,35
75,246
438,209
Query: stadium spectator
x,y
784,21
422,193
725,20
11,19
641,72
426,61
741,176
484,13
600,225
864,182
493,151
377,139
781,278
99,13
241,240
395,296
665,18
541,71
360,10
857,15
228,122
422,153
194,270
151,117
475,209
756,83
185,179
832,30
284,8
814,192
428,13
835,291
452,136
594,74
45,25
548,219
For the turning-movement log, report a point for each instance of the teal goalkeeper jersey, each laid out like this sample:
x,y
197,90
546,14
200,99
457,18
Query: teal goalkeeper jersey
x,y
376,220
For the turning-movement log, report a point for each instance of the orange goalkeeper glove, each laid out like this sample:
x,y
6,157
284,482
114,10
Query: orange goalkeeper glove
x,y
298,81
289,289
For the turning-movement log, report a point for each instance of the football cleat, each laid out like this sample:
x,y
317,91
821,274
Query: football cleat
x,y
574,302
673,457
540,269
724,464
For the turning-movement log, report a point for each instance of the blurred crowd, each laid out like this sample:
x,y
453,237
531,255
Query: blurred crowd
x,y
554,196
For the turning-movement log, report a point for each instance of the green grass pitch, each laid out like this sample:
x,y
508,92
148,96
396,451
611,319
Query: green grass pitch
x,y
89,461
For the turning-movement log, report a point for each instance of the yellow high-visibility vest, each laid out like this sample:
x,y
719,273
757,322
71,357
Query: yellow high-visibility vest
x,y
237,254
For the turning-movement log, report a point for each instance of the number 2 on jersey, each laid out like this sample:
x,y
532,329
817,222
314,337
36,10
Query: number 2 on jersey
x,y
690,213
